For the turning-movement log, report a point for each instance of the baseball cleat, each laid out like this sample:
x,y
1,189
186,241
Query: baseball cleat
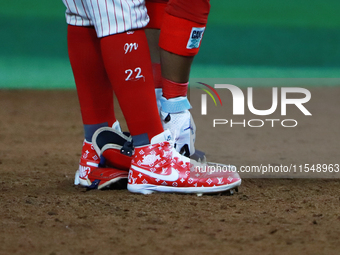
x,y
158,167
107,178
183,130
93,176
199,156
89,161
230,192
116,147
176,117
93,172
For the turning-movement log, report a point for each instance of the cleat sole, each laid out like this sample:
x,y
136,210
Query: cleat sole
x,y
149,188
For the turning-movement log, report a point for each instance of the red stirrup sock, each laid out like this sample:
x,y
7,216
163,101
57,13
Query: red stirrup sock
x,y
93,86
127,61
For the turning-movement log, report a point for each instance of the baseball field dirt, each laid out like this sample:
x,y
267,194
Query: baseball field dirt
x,y
42,212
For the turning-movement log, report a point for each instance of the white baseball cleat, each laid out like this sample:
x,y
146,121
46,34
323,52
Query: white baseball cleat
x,y
183,130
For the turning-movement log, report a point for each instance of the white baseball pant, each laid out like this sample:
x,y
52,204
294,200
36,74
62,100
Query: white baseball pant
x,y
107,16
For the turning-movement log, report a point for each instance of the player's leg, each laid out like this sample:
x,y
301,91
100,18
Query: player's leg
x,y
126,58
123,58
156,10
94,90
184,22
128,65
130,72
182,25
186,15
130,88
93,86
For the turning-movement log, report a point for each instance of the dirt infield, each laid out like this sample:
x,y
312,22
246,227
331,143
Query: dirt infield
x,y
43,213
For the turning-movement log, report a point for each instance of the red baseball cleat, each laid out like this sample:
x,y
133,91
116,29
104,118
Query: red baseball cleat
x,y
115,146
89,161
107,177
158,167
93,173
92,176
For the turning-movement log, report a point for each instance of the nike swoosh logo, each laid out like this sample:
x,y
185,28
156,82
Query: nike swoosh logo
x,y
170,177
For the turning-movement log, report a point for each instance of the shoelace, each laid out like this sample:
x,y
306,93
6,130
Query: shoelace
x,y
182,159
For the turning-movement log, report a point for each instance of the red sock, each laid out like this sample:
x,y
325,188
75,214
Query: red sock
x,y
173,89
157,75
93,86
127,61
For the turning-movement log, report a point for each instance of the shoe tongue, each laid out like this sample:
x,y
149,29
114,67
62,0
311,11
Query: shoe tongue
x,y
162,137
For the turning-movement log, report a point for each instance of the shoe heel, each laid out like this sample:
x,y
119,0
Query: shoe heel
x,y
76,178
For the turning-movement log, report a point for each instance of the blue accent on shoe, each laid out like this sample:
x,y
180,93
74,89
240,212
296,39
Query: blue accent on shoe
x,y
140,140
90,129
94,185
175,105
102,162
127,148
